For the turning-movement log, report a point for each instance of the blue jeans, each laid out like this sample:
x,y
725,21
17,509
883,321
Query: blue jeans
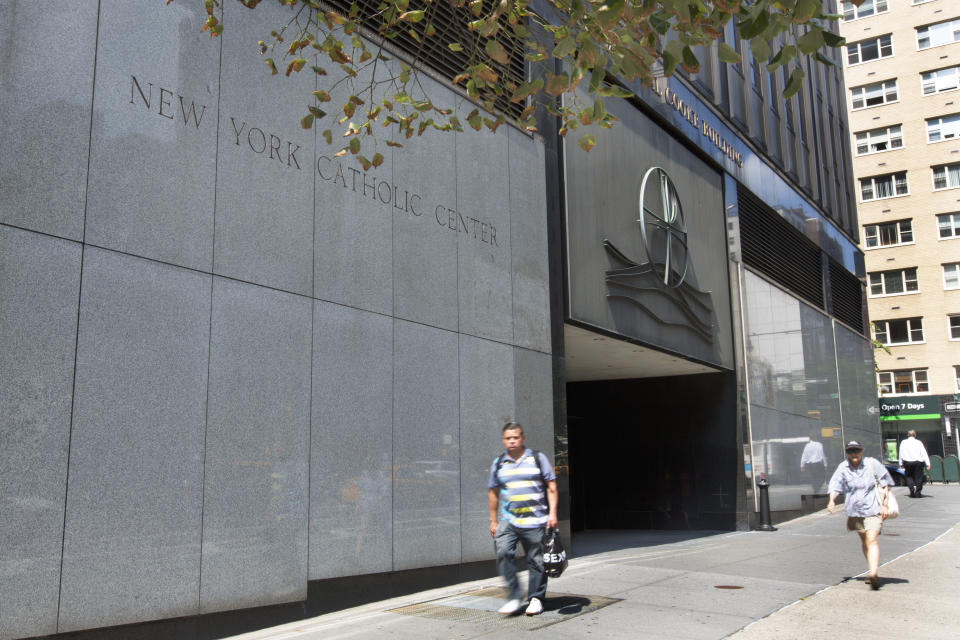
x,y
505,543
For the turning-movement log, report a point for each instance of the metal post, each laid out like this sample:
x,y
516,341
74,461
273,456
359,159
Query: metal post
x,y
764,497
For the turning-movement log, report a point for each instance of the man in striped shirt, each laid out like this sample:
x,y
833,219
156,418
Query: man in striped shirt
x,y
524,486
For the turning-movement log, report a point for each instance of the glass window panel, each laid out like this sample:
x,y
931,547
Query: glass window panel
x,y
910,279
955,327
898,331
893,282
888,234
906,231
951,276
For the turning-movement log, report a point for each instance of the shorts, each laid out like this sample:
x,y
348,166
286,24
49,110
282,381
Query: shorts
x,y
869,523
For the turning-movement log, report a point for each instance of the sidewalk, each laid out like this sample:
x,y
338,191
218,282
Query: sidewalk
x,y
792,583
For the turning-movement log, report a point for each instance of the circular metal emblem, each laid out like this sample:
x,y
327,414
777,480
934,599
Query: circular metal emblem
x,y
662,227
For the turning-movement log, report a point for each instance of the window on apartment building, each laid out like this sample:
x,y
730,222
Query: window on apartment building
x,y
902,331
956,379
871,95
954,321
940,80
877,140
893,282
943,128
941,33
903,381
921,1
949,225
946,176
890,185
951,275
868,8
888,234
872,49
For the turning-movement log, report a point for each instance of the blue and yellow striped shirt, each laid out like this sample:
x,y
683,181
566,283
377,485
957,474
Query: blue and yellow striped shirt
x,y
523,491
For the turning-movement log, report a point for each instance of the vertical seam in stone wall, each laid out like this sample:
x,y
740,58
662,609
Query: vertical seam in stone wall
x,y
513,320
456,199
206,411
393,440
76,335
313,321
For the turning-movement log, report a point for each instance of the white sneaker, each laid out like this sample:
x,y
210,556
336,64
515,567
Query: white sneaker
x,y
534,607
511,606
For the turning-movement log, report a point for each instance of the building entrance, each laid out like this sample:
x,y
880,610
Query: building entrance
x,y
653,453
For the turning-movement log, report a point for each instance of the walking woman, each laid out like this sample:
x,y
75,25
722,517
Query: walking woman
x,y
857,478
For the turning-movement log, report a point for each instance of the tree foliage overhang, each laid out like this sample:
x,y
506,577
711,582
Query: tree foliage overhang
x,y
602,46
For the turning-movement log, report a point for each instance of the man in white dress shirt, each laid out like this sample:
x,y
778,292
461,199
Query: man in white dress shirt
x,y
913,458
813,463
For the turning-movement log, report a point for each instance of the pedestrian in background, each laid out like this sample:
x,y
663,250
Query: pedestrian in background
x,y
523,483
864,483
913,458
813,462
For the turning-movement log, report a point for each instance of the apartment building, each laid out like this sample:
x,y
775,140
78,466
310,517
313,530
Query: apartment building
x,y
902,68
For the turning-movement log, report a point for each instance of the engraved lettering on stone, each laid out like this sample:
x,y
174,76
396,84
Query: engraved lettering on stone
x,y
164,102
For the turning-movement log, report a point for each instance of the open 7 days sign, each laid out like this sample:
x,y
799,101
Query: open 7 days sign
x,y
910,408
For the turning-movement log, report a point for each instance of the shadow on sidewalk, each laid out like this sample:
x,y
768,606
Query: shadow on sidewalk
x,y
587,543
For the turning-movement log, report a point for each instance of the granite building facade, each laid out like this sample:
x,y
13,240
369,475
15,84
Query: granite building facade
x,y
235,367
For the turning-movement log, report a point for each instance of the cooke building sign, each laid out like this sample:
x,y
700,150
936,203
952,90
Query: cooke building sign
x,y
702,125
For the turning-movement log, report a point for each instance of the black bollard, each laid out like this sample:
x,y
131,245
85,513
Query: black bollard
x,y
764,487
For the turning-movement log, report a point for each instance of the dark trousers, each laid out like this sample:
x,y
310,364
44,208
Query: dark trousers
x,y
914,473
506,545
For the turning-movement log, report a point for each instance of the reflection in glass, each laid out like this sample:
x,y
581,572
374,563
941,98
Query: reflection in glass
x,y
796,395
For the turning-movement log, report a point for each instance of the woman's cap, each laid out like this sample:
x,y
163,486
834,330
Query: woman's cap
x,y
853,445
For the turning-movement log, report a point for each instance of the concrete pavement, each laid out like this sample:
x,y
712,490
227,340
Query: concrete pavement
x,y
799,581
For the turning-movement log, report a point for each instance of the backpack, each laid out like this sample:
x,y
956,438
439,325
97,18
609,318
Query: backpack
x,y
536,456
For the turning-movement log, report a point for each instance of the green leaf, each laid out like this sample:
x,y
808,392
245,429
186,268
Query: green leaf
x,y
455,46
474,119
377,159
412,16
587,142
596,78
728,54
832,39
811,41
354,145
322,96
785,55
565,47
523,91
318,113
328,136
751,28
556,84
822,59
760,49
690,62
671,56
307,121
496,52
794,84
598,108
805,10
